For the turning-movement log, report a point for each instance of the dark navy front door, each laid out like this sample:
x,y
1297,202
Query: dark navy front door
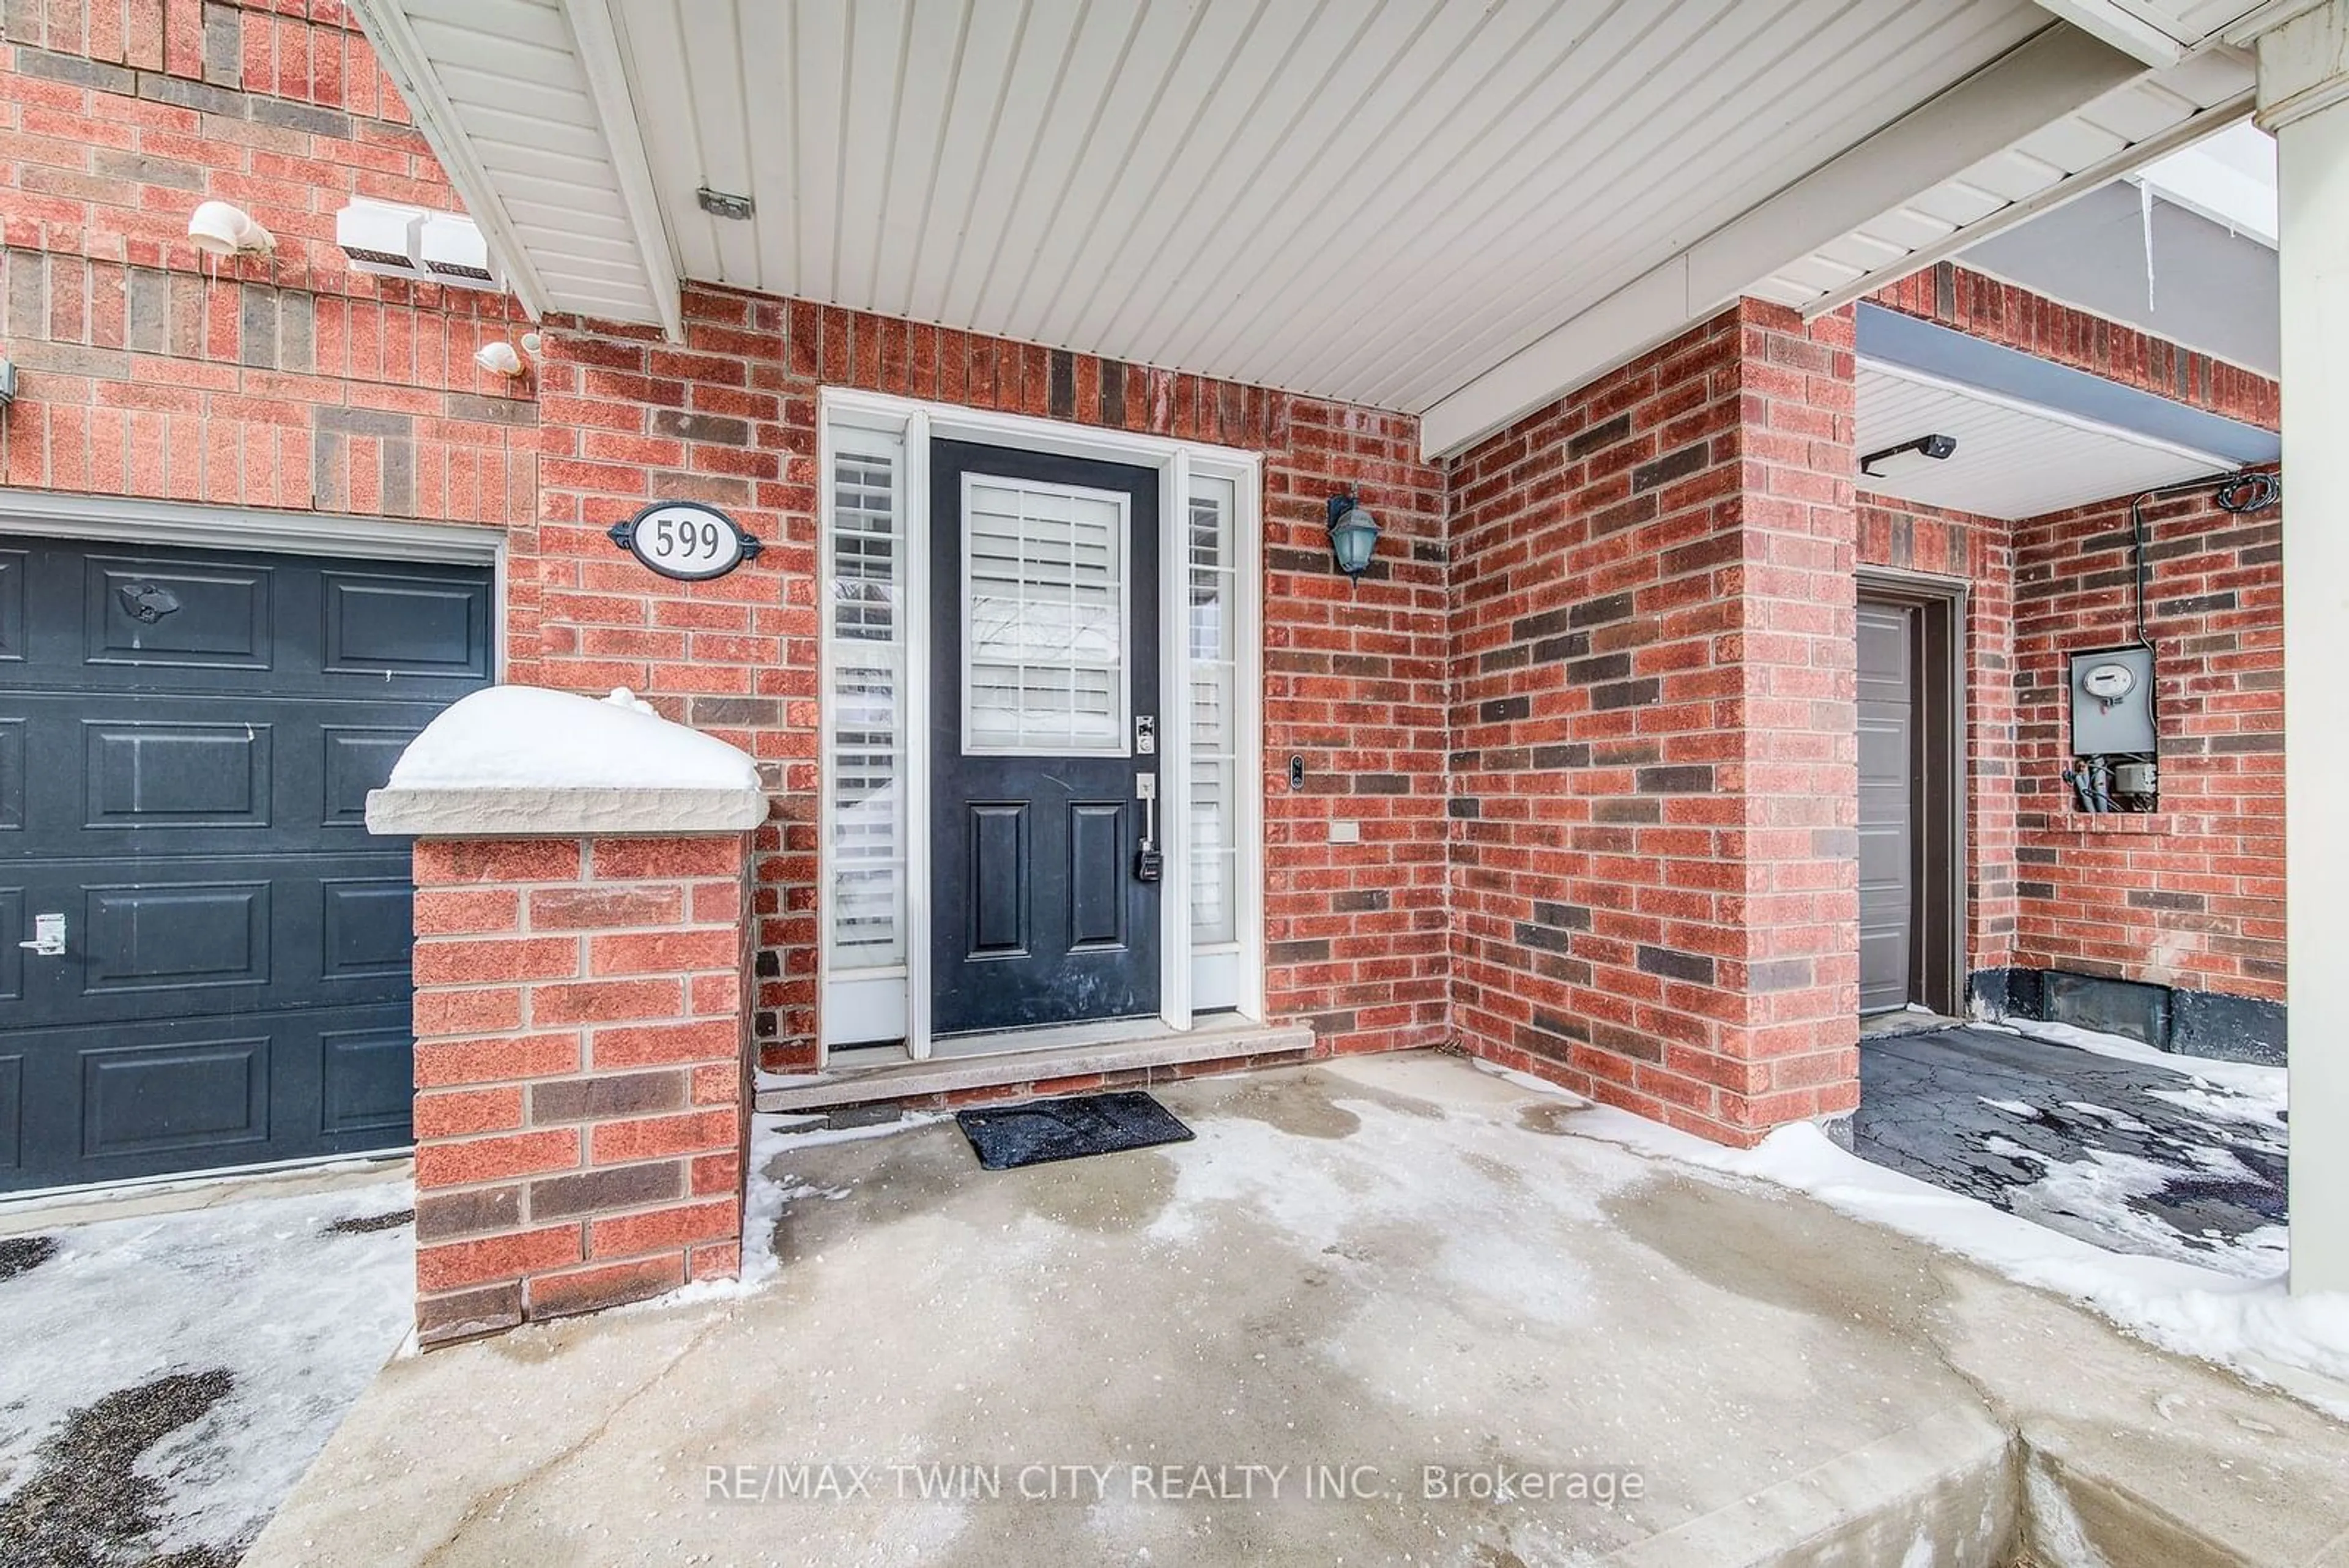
x,y
1044,710
187,739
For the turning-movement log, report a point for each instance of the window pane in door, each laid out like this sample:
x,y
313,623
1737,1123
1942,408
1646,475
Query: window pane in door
x,y
1212,589
1044,618
865,598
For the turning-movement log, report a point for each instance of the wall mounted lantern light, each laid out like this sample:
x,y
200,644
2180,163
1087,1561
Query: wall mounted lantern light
x,y
1353,535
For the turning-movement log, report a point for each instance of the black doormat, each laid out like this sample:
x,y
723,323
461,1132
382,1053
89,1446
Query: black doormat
x,y
1041,1131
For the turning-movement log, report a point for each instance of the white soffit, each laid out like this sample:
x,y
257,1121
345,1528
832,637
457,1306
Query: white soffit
x,y
2201,95
504,91
1372,200
2014,459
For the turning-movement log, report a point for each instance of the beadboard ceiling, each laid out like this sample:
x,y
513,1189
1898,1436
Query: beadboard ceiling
x,y
2012,460
1382,201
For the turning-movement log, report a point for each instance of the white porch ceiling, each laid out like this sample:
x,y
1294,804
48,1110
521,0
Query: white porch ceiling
x,y
2199,96
1454,210
1369,200
2014,459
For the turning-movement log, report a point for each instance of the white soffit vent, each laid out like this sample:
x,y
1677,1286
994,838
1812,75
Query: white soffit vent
x,y
2121,131
388,239
455,253
381,238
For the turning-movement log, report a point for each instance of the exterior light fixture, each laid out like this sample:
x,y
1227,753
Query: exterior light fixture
x,y
1910,457
221,230
499,357
1353,535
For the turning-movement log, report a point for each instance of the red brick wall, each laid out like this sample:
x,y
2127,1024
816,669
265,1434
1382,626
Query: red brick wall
x,y
1654,772
1354,675
583,1093
289,383
1907,537
295,383
2192,895
2001,313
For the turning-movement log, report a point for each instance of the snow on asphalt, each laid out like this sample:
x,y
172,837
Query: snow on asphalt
x,y
299,1315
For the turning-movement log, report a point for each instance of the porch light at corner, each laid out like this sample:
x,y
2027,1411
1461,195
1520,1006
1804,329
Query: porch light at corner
x,y
1910,457
1353,535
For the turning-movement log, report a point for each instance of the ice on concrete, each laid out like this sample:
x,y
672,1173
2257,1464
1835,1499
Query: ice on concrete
x,y
2252,1327
526,737
300,1315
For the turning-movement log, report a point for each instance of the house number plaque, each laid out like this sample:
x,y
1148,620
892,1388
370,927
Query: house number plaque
x,y
686,540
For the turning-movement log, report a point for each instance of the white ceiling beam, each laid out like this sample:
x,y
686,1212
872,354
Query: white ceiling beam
x,y
603,57
2056,73
404,59
2070,188
2122,29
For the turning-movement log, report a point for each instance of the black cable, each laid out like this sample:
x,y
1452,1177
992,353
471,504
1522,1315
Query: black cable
x,y
2246,490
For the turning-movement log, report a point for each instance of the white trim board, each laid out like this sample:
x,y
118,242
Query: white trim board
x,y
859,993
112,519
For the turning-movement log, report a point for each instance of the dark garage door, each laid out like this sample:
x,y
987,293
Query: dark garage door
x,y
187,739
1888,814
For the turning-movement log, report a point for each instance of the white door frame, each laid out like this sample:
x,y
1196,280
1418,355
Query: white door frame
x,y
1174,463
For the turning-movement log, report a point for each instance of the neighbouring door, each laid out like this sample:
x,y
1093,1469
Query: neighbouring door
x,y
187,739
1888,787
1044,661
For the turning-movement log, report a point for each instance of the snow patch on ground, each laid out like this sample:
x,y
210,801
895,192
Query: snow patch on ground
x,y
300,1315
2264,1085
526,737
2252,1327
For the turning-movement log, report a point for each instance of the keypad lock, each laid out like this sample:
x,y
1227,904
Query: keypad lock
x,y
1149,865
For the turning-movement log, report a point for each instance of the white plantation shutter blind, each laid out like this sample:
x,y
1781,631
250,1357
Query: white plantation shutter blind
x,y
1213,593
1044,617
865,599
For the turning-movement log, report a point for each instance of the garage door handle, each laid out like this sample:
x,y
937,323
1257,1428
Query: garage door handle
x,y
49,936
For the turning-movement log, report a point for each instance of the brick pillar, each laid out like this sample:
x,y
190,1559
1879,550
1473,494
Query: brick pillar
x,y
1655,778
583,1098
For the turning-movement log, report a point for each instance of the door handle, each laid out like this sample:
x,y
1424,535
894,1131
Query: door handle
x,y
1149,865
49,936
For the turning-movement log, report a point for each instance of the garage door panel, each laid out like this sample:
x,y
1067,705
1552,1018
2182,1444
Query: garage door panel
x,y
13,572
174,1098
368,1084
204,936
103,775
367,928
12,1112
14,926
94,1105
1888,841
377,622
188,741
176,939
12,774
251,624
358,758
150,612
149,775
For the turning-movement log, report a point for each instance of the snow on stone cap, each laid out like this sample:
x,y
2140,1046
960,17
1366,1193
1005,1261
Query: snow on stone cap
x,y
523,760
529,737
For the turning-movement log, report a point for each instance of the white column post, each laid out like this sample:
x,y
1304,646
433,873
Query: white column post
x,y
2304,100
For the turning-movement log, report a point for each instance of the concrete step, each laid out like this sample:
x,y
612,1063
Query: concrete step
x,y
1041,1063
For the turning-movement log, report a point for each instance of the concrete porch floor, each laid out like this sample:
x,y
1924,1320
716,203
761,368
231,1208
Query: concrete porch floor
x,y
1375,1265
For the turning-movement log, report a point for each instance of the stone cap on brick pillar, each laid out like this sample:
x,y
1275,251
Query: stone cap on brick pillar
x,y
525,762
